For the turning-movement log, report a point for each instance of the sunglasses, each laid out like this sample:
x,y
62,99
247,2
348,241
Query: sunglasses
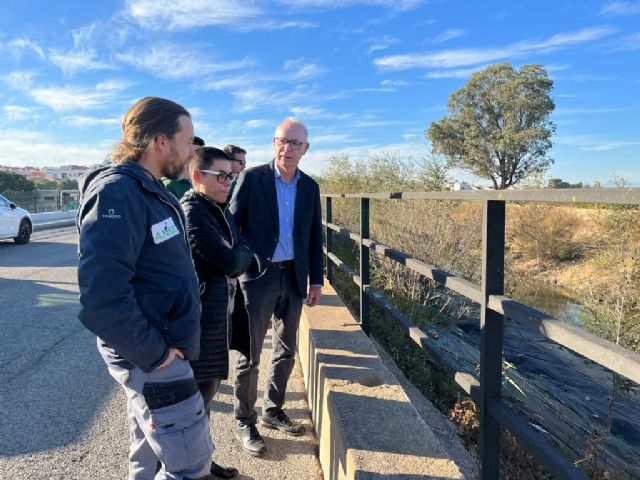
x,y
221,176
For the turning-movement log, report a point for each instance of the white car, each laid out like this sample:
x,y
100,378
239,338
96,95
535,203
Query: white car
x,y
15,222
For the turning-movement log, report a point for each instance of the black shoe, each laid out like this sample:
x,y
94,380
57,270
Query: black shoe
x,y
250,440
280,421
222,472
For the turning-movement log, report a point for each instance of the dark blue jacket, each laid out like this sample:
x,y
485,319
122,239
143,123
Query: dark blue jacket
x,y
255,209
138,287
254,206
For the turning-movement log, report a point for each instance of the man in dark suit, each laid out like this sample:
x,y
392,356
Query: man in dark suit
x,y
277,208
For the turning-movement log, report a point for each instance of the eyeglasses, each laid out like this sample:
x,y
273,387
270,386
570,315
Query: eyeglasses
x,y
241,162
294,144
222,176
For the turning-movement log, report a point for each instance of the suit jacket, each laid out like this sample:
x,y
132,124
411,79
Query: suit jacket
x,y
255,209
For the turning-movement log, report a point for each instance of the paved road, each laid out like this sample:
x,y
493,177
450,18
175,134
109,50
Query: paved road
x,y
61,415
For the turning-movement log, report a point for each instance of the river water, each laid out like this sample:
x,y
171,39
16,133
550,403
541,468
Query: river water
x,y
551,299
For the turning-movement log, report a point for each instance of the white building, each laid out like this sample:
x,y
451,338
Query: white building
x,y
72,172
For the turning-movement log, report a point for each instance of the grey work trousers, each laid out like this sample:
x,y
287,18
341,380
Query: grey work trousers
x,y
272,298
163,427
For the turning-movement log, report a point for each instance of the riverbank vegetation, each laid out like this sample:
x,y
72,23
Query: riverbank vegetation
x,y
592,252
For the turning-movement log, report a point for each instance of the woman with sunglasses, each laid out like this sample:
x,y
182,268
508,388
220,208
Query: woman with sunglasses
x,y
219,255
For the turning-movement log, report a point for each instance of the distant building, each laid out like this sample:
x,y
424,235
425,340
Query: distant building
x,y
72,172
461,187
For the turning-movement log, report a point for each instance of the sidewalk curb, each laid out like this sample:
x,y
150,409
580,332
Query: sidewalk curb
x,y
37,227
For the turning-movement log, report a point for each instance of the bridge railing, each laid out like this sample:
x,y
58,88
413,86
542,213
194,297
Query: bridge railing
x,y
495,307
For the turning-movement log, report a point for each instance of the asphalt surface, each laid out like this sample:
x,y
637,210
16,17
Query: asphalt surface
x,y
61,415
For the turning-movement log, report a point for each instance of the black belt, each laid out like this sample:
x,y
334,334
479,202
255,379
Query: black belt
x,y
283,264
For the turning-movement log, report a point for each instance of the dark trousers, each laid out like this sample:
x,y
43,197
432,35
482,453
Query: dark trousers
x,y
272,299
208,389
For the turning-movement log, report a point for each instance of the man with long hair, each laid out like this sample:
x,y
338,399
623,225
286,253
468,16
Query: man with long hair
x,y
139,291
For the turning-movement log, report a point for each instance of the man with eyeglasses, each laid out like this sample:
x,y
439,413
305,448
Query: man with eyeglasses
x,y
277,208
238,157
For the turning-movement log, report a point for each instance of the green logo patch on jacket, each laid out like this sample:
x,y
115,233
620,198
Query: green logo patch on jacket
x,y
163,231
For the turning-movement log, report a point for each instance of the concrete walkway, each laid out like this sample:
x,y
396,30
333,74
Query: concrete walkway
x,y
288,458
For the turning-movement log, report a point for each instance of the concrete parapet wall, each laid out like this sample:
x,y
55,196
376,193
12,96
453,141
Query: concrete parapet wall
x,y
53,216
48,220
366,425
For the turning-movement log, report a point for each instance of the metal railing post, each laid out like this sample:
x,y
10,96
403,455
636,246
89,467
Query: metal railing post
x,y
364,264
491,336
329,235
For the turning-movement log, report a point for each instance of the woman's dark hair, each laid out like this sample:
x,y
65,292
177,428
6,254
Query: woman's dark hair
x,y
206,156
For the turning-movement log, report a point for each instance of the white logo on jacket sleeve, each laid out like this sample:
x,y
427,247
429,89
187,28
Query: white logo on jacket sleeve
x,y
111,215
164,230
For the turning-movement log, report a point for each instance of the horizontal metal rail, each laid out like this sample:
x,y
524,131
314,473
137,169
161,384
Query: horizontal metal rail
x,y
442,277
465,380
617,359
538,446
613,196
496,308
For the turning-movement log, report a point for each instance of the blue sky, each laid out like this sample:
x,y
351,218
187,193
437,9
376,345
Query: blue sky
x,y
367,76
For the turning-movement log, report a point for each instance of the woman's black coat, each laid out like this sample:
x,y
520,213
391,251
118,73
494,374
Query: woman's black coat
x,y
218,251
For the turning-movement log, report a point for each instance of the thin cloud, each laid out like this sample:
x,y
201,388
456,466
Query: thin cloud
x,y
69,98
298,69
336,138
393,83
381,123
186,14
399,5
174,62
381,43
256,123
19,148
73,61
628,42
449,35
589,143
377,90
85,121
17,112
316,113
16,46
19,79
455,73
226,83
620,8
473,56
250,98
274,25
601,147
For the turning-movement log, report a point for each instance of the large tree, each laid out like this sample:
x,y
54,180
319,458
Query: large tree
x,y
498,125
